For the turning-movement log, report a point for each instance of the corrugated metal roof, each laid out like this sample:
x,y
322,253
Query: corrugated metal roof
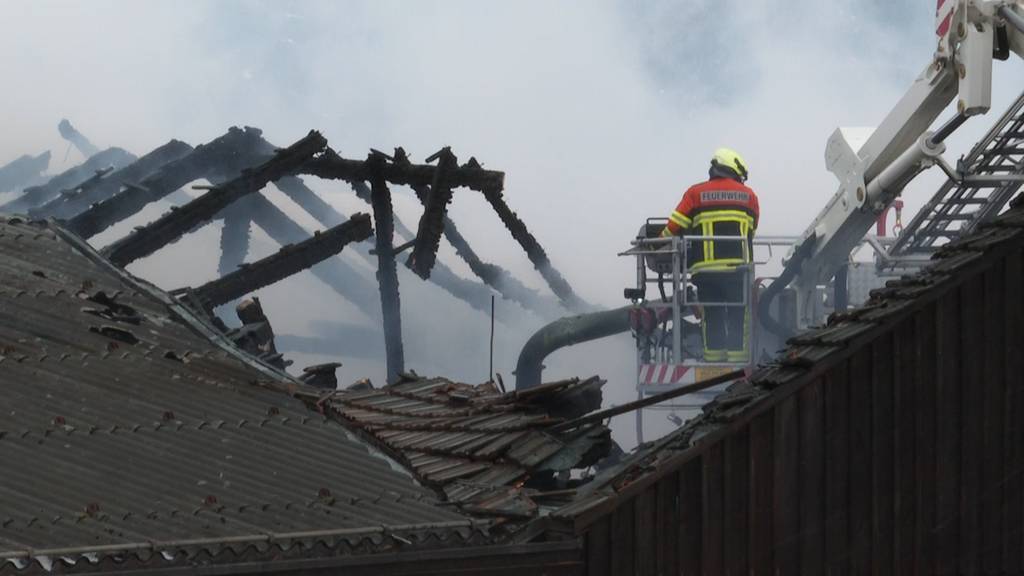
x,y
486,450
124,427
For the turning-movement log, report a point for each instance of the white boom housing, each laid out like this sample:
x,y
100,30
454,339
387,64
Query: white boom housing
x,y
873,166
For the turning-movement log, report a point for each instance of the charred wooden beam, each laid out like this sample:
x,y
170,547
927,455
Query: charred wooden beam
x,y
289,260
501,279
176,223
333,167
339,275
256,336
431,226
321,375
492,275
473,293
228,154
534,251
69,179
23,171
234,239
91,183
72,135
80,198
387,271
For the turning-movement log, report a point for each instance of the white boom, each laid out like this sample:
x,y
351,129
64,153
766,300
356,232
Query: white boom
x,y
871,176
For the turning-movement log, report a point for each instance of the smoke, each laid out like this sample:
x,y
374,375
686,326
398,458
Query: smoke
x,y
601,112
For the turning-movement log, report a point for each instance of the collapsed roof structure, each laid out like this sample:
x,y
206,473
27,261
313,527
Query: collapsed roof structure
x,y
138,436
191,444
241,162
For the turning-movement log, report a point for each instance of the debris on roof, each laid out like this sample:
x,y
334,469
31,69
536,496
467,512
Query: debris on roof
x,y
489,452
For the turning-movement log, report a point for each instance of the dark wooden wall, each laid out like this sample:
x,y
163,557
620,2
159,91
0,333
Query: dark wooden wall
x,y
902,456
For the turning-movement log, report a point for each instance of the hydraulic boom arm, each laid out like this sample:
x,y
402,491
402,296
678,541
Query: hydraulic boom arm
x,y
971,34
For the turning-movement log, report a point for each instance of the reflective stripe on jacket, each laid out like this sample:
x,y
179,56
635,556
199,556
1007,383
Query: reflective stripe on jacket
x,y
718,207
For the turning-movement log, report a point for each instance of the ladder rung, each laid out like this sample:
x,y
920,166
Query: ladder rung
x,y
1004,169
964,201
953,217
988,185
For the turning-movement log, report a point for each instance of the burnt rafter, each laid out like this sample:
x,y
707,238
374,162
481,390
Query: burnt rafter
x,y
91,183
291,259
473,293
176,223
333,167
227,154
241,163
387,272
431,226
399,170
70,178
70,203
339,275
234,239
534,251
492,275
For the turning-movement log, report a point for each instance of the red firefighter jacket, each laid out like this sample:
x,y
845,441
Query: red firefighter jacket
x,y
718,207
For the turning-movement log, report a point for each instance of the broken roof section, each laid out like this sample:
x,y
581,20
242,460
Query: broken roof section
x,y
489,452
251,163
135,436
69,179
22,171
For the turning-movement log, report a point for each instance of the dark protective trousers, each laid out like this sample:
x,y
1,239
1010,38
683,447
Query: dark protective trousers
x,y
725,327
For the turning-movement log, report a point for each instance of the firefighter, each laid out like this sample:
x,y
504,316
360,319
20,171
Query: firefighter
x,y
722,206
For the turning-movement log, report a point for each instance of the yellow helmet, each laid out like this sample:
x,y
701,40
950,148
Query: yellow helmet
x,y
728,158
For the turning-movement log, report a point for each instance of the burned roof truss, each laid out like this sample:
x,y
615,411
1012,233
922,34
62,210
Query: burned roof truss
x,y
239,164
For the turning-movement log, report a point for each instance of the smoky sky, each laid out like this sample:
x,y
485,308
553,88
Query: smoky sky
x,y
600,112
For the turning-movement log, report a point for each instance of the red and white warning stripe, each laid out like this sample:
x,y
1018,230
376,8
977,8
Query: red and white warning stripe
x,y
944,16
663,373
